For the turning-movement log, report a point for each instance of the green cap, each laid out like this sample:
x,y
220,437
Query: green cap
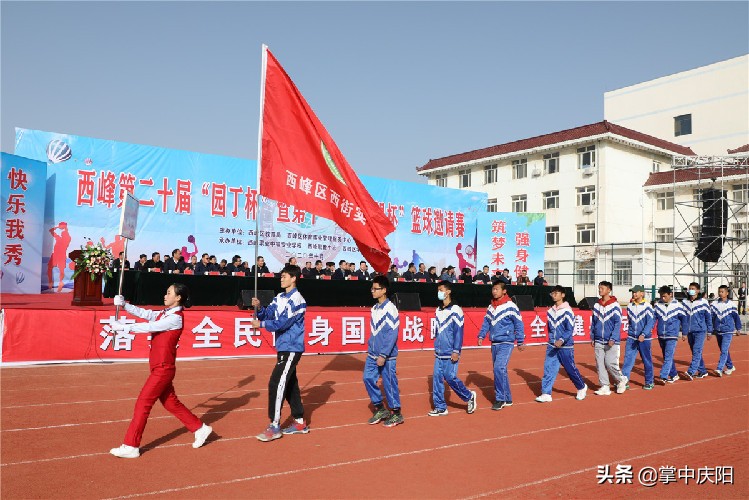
x,y
637,288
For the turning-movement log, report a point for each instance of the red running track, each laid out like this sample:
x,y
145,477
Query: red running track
x,y
58,423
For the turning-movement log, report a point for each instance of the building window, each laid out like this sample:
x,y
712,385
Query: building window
x,y
491,205
682,125
741,193
697,197
740,274
586,157
441,180
520,203
551,163
490,174
520,169
740,231
622,272
551,272
552,235
465,178
696,232
656,166
664,234
586,196
585,273
551,199
586,233
665,201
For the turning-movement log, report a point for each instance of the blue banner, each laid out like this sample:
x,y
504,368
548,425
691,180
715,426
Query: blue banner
x,y
23,189
207,203
514,241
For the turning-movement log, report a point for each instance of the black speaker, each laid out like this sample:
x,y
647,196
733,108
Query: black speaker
x,y
714,225
524,302
407,301
245,300
587,303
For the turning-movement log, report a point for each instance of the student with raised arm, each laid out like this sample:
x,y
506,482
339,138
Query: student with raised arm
x,y
285,317
165,327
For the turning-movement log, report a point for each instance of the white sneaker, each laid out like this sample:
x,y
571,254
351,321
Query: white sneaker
x,y
544,398
603,391
582,393
125,451
622,385
729,371
201,435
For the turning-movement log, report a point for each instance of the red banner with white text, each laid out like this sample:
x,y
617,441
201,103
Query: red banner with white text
x,y
84,335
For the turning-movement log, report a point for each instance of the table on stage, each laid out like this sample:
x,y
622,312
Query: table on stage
x,y
143,288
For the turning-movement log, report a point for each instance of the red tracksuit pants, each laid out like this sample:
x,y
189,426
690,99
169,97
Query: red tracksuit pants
x,y
158,386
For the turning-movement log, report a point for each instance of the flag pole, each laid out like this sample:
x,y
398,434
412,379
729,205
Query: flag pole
x,y
264,65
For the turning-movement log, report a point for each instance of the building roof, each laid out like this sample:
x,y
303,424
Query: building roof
x,y
740,149
594,129
689,174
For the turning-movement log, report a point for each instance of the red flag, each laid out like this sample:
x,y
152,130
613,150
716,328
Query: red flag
x,y
303,167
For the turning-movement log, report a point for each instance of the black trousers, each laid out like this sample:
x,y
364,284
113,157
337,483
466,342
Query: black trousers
x,y
283,384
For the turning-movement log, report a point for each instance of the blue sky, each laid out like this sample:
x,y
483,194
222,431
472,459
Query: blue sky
x,y
395,83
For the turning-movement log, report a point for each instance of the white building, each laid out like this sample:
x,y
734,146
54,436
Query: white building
x,y
589,182
704,108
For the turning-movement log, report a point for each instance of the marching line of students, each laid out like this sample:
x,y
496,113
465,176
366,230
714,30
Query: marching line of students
x,y
693,319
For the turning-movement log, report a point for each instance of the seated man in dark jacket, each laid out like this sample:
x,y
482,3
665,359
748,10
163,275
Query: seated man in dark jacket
x,y
260,266
466,275
202,266
342,271
422,273
175,264
155,261
483,276
140,265
363,272
410,274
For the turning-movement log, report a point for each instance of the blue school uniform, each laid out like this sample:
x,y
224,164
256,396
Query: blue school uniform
x,y
505,327
383,342
560,323
641,319
448,340
726,321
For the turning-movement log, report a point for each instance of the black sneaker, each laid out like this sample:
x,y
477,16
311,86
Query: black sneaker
x,y
395,419
379,416
701,375
508,403
498,405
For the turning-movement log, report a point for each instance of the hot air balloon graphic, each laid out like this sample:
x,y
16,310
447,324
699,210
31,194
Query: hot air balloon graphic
x,y
58,151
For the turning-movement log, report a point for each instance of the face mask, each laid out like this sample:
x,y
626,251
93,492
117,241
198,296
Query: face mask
x,y
441,295
692,292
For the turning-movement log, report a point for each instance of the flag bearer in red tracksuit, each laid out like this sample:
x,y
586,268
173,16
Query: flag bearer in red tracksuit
x,y
165,328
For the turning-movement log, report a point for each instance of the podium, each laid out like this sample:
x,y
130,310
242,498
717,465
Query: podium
x,y
85,291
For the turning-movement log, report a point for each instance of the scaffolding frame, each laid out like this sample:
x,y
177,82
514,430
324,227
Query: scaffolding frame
x,y
711,172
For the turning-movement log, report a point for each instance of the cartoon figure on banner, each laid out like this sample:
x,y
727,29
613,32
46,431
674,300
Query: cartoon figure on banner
x,y
59,256
470,257
187,255
117,246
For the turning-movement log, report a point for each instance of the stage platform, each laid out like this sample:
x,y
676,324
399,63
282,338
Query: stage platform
x,y
45,328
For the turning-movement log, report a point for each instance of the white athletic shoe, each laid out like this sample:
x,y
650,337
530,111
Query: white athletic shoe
x,y
544,398
603,391
201,435
622,385
729,371
125,451
582,393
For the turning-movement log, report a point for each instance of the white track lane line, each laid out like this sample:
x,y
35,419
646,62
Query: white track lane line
x,y
407,453
414,452
595,467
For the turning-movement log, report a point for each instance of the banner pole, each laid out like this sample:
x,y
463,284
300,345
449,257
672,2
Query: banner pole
x,y
264,65
122,275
